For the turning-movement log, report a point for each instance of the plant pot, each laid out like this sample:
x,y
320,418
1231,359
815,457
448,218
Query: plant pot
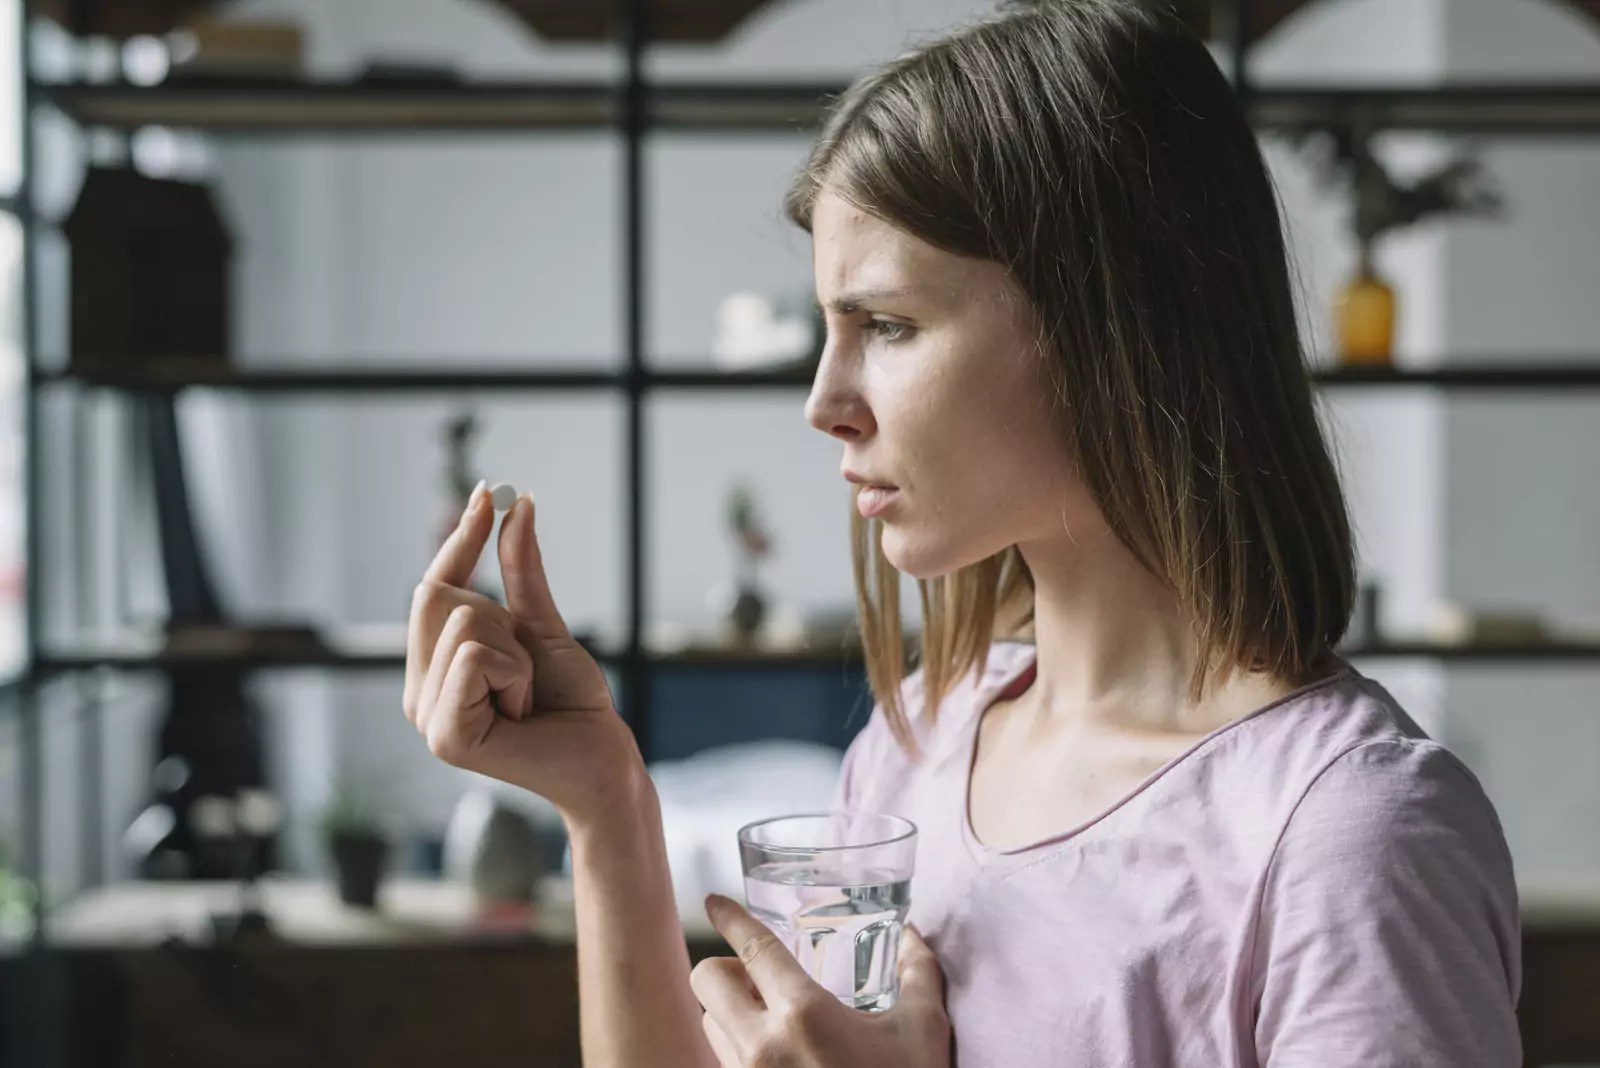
x,y
1364,318
747,614
359,861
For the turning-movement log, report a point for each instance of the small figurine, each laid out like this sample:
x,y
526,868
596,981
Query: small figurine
x,y
749,607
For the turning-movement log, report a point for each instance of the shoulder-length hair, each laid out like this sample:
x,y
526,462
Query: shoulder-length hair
x,y
1093,148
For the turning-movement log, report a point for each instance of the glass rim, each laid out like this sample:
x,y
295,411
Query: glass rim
x,y
909,831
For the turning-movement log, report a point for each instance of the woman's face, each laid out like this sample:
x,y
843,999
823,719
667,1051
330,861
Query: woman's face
x,y
933,378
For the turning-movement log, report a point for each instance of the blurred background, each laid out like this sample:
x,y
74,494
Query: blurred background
x,y
281,280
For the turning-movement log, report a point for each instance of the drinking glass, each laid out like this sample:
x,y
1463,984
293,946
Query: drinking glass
x,y
834,887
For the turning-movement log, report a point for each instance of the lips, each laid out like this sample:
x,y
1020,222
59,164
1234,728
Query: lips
x,y
873,501
875,496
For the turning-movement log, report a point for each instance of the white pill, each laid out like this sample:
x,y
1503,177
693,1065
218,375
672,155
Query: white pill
x,y
504,496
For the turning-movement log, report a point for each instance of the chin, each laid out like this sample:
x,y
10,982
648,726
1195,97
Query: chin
x,y
922,557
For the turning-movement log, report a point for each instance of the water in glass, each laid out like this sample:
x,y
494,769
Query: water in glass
x,y
842,925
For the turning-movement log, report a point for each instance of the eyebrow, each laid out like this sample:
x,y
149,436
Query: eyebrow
x,y
852,302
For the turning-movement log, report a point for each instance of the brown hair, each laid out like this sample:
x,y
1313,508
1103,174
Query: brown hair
x,y
1093,148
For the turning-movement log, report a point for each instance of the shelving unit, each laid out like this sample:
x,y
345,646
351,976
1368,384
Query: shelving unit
x,y
632,107
366,656
1497,375
284,107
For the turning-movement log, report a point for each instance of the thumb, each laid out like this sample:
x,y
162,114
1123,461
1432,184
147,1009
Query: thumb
x,y
921,977
522,570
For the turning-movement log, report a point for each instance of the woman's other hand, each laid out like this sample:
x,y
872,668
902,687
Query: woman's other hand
x,y
763,1011
505,691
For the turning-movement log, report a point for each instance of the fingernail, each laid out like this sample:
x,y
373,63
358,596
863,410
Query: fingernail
x,y
714,901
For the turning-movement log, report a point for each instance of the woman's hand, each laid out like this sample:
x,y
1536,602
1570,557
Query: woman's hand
x,y
763,1011
506,691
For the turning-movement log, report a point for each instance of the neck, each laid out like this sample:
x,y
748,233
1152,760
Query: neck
x,y
1115,649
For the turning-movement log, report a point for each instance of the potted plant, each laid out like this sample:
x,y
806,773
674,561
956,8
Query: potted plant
x,y
354,836
1365,305
17,900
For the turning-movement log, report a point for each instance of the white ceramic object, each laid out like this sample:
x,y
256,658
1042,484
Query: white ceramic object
x,y
493,848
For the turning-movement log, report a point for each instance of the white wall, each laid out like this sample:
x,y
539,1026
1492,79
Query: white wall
x,y
507,250
1389,446
1522,490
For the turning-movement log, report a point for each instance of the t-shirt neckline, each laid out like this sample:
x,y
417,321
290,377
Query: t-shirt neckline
x,y
1019,679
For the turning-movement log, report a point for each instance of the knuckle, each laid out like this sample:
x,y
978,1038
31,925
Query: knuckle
x,y
756,947
426,597
448,745
802,1015
769,1051
715,970
701,976
473,654
460,617
420,594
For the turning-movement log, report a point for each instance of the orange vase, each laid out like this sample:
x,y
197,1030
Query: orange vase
x,y
1364,318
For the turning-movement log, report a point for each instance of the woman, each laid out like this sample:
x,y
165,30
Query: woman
x,y
1171,827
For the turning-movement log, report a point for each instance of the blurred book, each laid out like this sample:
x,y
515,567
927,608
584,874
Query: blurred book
x,y
212,47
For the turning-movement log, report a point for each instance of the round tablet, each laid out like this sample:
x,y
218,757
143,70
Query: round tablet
x,y
504,496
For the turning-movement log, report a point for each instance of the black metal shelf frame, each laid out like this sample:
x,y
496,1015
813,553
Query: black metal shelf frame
x,y
58,663
633,107
1481,375
282,107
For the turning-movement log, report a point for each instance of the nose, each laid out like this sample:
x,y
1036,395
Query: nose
x,y
836,406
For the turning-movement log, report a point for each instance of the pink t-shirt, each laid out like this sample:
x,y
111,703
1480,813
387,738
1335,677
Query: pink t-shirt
x,y
1315,885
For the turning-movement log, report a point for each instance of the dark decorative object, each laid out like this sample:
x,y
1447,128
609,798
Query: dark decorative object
x,y
460,433
1265,15
749,608
1382,203
118,18
150,271
1365,623
210,738
598,20
358,847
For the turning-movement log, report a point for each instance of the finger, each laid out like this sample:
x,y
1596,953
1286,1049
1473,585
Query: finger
x,y
771,967
522,571
921,977
467,624
431,606
467,715
726,1057
458,556
726,993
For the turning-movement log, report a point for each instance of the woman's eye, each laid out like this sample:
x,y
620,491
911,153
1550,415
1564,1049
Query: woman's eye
x,y
888,331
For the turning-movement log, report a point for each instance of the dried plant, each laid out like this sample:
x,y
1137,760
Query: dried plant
x,y
1382,202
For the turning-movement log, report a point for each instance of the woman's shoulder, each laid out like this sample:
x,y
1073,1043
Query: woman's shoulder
x,y
1342,719
1358,776
1391,860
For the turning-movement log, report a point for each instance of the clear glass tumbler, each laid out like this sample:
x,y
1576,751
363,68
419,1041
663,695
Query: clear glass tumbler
x,y
834,887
